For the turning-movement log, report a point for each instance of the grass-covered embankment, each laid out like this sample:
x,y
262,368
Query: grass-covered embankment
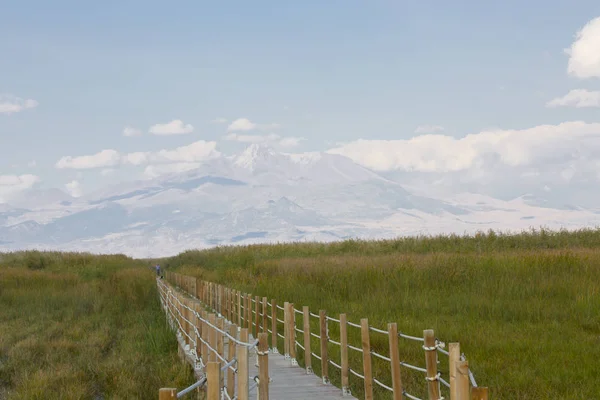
x,y
525,308
76,326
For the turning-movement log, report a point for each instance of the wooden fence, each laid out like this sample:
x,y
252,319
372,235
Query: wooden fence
x,y
202,336
272,320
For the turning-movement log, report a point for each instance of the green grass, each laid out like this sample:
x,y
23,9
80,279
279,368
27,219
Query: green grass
x,y
77,326
525,308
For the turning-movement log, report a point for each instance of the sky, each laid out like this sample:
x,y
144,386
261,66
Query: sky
x,y
94,93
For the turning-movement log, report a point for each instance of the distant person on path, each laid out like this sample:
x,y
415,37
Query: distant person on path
x,y
158,270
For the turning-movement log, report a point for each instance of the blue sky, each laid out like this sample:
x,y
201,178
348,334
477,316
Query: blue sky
x,y
328,72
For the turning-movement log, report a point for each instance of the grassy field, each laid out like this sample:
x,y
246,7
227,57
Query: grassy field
x,y
75,326
525,308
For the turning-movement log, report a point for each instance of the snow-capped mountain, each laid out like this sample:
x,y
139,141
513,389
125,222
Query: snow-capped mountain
x,y
260,195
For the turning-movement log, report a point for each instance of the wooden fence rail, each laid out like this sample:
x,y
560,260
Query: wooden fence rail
x,y
252,314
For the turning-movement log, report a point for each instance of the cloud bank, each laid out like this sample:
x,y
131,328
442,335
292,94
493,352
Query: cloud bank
x,y
194,152
584,60
578,98
175,127
441,153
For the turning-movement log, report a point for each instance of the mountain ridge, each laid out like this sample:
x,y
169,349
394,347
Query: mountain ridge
x,y
261,196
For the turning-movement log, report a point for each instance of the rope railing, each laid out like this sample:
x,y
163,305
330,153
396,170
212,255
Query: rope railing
x,y
202,338
308,332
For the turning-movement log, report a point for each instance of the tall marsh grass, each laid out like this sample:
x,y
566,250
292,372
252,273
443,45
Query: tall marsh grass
x,y
77,326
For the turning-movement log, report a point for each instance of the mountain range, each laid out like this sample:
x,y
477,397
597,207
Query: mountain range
x,y
263,196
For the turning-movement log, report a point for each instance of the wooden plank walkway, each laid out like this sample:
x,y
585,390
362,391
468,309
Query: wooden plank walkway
x,y
287,381
292,382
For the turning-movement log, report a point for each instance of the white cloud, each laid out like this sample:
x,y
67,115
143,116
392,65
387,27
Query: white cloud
x,y
153,171
74,188
131,131
584,61
105,158
137,158
10,104
23,181
252,138
175,127
440,153
429,129
245,125
195,152
578,98
13,184
271,139
290,141
241,124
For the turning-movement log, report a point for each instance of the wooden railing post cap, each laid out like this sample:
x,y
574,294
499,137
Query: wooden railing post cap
x,y
167,393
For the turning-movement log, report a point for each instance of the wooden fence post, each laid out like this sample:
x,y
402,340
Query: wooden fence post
x,y
395,360
167,394
184,319
263,366
213,379
366,347
462,380
213,292
232,353
256,316
323,339
249,313
454,357
198,331
239,308
242,362
232,306
226,303
220,300
222,303
307,350
286,330
274,348
205,337
220,343
265,325
212,337
344,355
433,383
292,327
479,393
188,324
229,304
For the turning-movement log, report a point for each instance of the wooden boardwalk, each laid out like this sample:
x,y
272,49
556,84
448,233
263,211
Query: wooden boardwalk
x,y
292,382
287,381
